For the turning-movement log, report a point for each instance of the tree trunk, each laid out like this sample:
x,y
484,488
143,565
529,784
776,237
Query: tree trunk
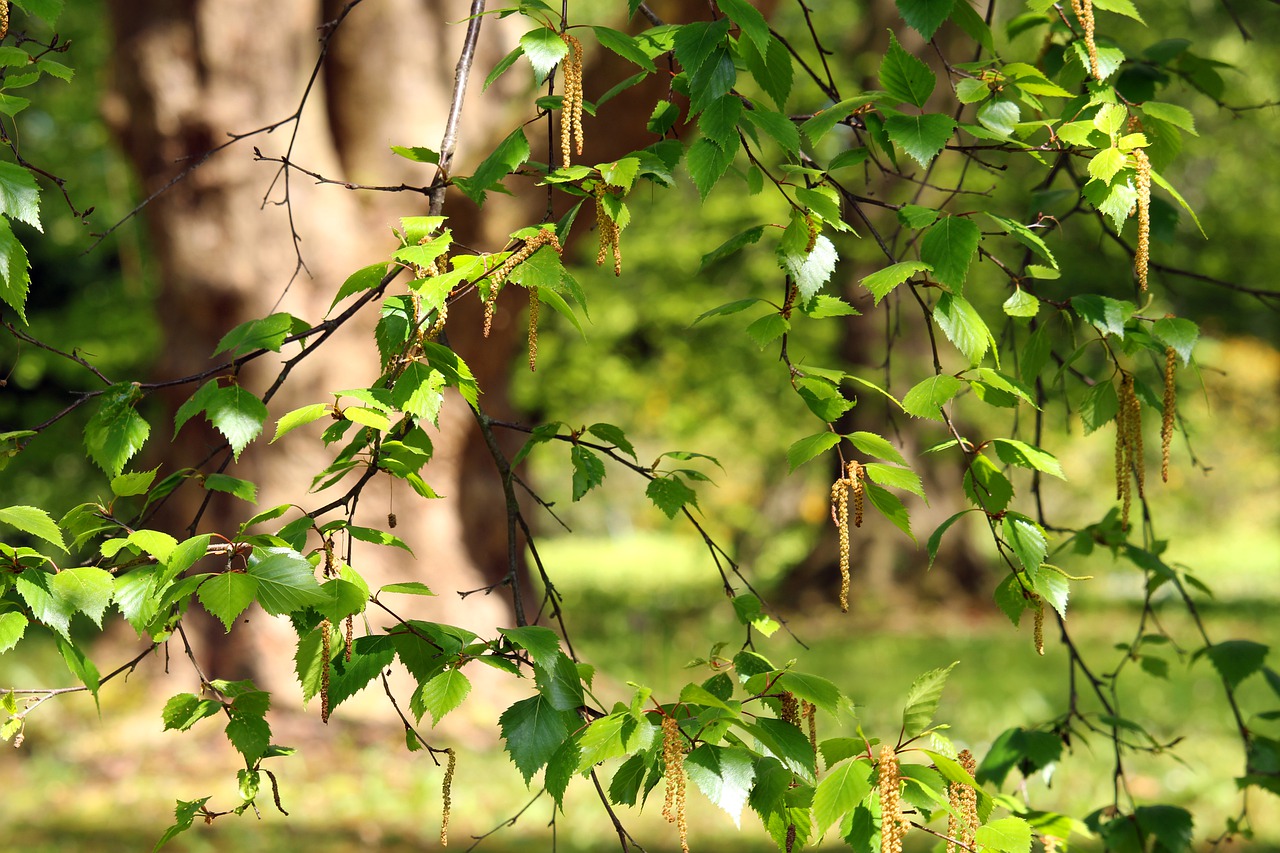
x,y
187,74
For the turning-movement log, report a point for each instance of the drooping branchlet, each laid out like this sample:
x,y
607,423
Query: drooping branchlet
x,y
674,772
1142,255
1170,410
893,826
447,791
571,104
1084,14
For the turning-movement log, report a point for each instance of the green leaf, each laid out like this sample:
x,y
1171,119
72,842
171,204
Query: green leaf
x,y
1172,113
1027,540
904,77
533,731
723,774
749,21
890,506
921,137
779,127
963,327
625,46
1107,315
696,42
15,275
949,247
839,793
808,448
1000,117
12,627
19,194
237,414
749,612
877,446
813,688
613,435
1177,333
1099,406
923,16
812,270
1168,187
1014,452
1106,164
935,538
1236,660
249,734
707,163
1021,304
443,693
510,154
545,49
300,417
184,813
1171,826
502,66
242,489
115,432
1006,835
986,486
670,494
35,521
1054,587
787,743
407,588
915,216
823,398
133,483
227,595
926,398
184,710
184,556
86,589
922,701
560,682
417,155
419,392
898,478
767,329
882,283
541,643
588,470
286,580
265,333
724,250
772,68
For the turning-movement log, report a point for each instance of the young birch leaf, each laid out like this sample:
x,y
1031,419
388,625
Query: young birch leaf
x,y
772,68
46,606
724,774
922,137
15,275
12,627
505,159
810,271
86,589
286,581
882,283
963,327
227,595
541,643
237,414
707,163
1014,452
80,665
545,48
877,446
242,489
35,521
926,398
813,688
888,505
949,247
533,731
588,471
116,432
1236,660
749,20
787,743
264,333
922,701
670,494
1027,540
443,693
925,16
299,417
19,194
1177,333
1054,587
839,793
898,478
1006,835
625,46
904,77
696,42
807,448
935,538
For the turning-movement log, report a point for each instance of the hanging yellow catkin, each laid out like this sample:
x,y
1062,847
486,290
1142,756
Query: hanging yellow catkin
x,y
325,648
4,19
544,237
1084,14
1170,410
673,771
893,826
1039,626
840,516
1142,255
571,102
962,823
534,302
447,796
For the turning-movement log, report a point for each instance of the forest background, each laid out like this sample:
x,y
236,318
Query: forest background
x,y
68,787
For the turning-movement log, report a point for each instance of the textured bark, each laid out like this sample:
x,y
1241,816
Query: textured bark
x,y
186,74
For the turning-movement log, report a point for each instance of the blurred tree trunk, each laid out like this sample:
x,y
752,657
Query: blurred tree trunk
x,y
188,73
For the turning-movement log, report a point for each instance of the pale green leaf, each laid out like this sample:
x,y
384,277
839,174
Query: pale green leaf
x,y
34,521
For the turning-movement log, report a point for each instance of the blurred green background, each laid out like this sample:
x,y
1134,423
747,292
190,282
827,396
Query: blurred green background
x,y
85,780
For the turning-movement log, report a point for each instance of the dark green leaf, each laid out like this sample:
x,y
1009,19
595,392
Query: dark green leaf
x,y
986,486
1104,313
808,448
625,46
541,643
888,505
286,580
924,16
670,494
505,159
560,682
15,275
19,192
963,326
116,432
767,329
839,792
921,137
266,333
727,248
904,77
184,710
882,283
814,689
787,743
533,731
935,539
707,163
1236,660
696,42
35,521
613,435
250,735
949,247
1099,406
772,68
588,470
